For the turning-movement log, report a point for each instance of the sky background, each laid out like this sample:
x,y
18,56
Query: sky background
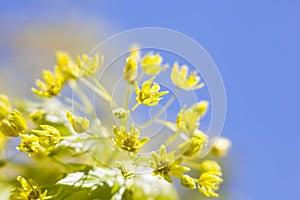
x,y
255,44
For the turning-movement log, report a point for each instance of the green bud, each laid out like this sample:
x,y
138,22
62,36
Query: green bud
x,y
188,182
210,165
14,124
4,106
79,124
120,113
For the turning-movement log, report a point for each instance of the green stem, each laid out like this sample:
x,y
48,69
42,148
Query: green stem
x,y
166,106
100,93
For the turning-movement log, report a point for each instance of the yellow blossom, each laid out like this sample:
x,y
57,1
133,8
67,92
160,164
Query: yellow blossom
x,y
209,182
79,124
53,84
182,80
89,65
67,66
29,190
166,165
188,119
130,70
194,144
152,64
149,94
29,144
128,140
188,182
4,106
14,124
48,136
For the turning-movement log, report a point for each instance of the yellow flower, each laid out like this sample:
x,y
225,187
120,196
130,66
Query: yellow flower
x,y
152,64
209,182
193,145
166,165
4,106
30,190
14,124
130,70
79,124
89,66
188,120
48,136
149,94
128,140
52,86
221,146
29,144
66,65
188,182
180,78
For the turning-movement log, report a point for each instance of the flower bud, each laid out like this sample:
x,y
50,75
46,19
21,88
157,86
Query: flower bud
x,y
79,124
4,106
193,145
49,136
210,165
221,146
130,71
14,124
120,113
188,182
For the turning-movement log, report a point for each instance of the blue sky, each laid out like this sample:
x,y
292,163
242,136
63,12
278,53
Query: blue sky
x,y
255,44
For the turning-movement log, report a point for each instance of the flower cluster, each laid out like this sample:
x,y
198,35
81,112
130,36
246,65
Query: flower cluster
x,y
29,190
85,145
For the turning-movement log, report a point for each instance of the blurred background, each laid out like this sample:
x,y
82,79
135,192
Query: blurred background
x,y
255,44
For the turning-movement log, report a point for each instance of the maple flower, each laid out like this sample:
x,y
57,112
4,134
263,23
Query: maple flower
x,y
166,165
29,190
52,86
128,140
180,78
149,94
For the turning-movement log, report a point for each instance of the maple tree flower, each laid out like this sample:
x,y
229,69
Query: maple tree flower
x,y
88,66
14,124
29,190
194,144
52,86
128,140
152,64
209,182
149,94
79,124
29,144
188,119
180,78
48,136
66,65
166,165
130,70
